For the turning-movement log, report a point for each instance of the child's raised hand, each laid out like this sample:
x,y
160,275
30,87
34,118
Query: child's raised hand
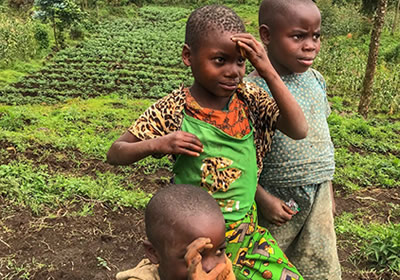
x,y
253,50
193,260
180,142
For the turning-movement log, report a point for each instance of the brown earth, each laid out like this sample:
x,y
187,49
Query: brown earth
x,y
99,245
69,246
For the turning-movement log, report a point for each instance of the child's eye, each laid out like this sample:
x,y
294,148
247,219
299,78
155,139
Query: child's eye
x,y
220,251
297,37
241,61
219,60
316,36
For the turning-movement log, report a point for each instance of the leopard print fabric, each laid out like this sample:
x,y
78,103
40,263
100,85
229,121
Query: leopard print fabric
x,y
166,116
222,176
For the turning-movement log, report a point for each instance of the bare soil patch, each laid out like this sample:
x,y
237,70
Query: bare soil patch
x,y
97,246
375,206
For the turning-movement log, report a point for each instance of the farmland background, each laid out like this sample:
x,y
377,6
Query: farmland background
x,y
66,214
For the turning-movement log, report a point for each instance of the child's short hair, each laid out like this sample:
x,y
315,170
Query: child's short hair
x,y
210,17
269,8
176,203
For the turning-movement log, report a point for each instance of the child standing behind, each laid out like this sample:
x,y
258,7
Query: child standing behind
x,y
300,171
218,131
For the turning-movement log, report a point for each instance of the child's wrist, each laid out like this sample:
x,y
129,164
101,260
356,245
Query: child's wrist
x,y
269,74
154,146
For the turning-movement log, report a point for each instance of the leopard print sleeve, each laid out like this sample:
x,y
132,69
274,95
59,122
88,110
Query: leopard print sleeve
x,y
263,113
161,118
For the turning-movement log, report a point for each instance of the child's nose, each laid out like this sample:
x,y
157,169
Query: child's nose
x,y
209,263
309,45
232,71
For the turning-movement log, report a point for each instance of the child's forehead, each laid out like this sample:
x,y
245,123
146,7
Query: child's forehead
x,y
297,14
197,225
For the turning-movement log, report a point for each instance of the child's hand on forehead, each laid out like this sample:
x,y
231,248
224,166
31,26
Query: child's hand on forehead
x,y
193,260
253,50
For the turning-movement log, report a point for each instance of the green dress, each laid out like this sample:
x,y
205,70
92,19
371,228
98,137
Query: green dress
x,y
227,169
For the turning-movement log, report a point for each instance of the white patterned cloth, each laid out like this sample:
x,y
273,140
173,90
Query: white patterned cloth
x,y
292,163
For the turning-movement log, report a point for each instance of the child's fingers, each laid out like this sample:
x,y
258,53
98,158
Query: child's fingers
x,y
195,270
192,142
287,209
199,244
244,41
191,138
194,249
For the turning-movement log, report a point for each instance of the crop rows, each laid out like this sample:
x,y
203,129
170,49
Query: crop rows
x,y
134,58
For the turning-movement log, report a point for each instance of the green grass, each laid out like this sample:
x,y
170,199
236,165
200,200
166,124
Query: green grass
x,y
366,151
378,244
89,126
27,185
18,70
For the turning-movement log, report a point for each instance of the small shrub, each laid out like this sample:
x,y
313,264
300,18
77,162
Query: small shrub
x,y
384,249
16,40
19,5
76,32
41,36
393,55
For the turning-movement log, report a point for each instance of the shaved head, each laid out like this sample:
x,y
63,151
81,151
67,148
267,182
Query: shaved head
x,y
173,206
269,9
211,18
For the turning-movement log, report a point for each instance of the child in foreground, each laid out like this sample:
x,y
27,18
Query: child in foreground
x,y
299,171
185,232
219,130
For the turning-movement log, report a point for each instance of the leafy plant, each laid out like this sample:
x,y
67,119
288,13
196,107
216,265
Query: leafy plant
x,y
384,249
61,14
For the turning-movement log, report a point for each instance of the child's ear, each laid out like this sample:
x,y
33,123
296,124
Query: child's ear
x,y
186,55
151,252
265,34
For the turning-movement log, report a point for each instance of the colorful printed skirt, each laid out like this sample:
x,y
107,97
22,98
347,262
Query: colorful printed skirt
x,y
255,253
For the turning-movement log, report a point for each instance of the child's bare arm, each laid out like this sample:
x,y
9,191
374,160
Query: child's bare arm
x,y
128,148
291,120
273,209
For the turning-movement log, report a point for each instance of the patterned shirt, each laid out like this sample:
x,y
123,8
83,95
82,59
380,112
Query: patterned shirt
x,y
166,115
308,161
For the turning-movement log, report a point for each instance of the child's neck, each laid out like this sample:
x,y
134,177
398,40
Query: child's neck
x,y
207,100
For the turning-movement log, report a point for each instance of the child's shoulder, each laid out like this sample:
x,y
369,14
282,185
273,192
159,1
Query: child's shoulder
x,y
256,97
173,101
316,73
318,76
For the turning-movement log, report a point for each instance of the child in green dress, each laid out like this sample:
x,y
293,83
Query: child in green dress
x,y
218,131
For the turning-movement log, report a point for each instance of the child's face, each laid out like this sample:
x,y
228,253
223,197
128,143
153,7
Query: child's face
x,y
172,264
217,67
294,40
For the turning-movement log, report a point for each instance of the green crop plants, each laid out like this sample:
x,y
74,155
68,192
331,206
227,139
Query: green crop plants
x,y
16,40
384,249
106,62
35,188
378,244
374,135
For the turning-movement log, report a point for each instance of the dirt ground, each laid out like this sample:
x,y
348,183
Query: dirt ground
x,y
97,246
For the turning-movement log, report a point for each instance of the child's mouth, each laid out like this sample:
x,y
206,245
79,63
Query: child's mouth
x,y
228,86
306,61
